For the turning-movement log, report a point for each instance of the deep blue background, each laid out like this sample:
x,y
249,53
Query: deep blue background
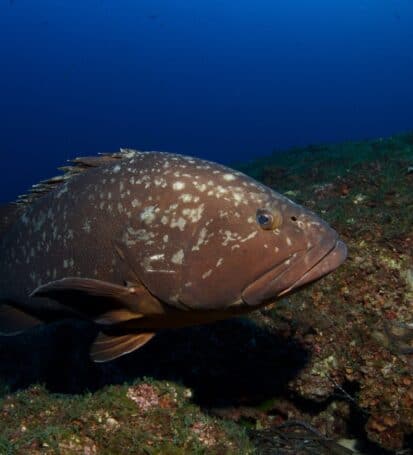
x,y
226,80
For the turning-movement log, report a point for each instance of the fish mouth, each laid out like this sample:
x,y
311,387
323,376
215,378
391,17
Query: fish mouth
x,y
302,267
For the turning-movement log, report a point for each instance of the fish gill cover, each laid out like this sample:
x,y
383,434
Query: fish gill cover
x,y
326,370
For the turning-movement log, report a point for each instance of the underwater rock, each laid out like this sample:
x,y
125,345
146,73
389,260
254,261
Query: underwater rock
x,y
330,360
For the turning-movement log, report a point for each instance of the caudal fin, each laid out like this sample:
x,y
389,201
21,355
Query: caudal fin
x,y
14,321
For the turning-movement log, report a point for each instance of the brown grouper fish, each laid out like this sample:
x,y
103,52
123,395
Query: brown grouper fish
x,y
141,241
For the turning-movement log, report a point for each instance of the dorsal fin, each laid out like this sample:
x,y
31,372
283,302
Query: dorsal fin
x,y
75,167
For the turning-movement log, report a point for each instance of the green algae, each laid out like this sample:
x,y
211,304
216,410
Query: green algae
x,y
109,421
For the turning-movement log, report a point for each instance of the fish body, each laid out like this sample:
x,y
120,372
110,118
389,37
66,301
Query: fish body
x,y
140,241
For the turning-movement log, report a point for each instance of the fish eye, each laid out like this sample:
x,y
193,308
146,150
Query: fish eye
x,y
268,219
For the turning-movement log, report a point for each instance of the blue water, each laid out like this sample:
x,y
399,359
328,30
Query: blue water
x,y
225,80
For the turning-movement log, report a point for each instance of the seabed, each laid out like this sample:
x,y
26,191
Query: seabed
x,y
328,370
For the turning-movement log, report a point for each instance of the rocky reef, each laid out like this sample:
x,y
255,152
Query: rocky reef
x,y
326,370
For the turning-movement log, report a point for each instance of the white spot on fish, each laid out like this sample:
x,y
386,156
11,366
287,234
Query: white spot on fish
x,y
178,186
194,214
171,208
229,177
186,197
180,224
134,235
116,168
207,274
238,197
156,257
64,189
201,239
148,214
249,237
25,219
86,226
200,186
229,237
160,182
178,257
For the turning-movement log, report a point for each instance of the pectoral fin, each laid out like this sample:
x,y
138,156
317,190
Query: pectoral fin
x,y
98,299
107,347
65,289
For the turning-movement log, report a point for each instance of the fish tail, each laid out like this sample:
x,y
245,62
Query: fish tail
x,y
14,320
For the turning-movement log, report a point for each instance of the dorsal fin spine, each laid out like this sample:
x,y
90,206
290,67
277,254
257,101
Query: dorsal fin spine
x,y
76,166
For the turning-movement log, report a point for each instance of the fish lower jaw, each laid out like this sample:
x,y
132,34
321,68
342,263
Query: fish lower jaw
x,y
329,262
299,269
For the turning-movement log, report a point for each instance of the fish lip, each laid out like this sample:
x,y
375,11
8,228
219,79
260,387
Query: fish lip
x,y
309,265
320,268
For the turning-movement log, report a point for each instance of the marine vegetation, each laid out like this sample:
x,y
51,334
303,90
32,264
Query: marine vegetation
x,y
326,370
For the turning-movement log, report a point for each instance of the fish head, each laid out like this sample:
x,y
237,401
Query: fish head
x,y
254,246
205,236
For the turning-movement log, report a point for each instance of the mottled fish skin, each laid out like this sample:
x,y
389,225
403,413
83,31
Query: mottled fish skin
x,y
187,229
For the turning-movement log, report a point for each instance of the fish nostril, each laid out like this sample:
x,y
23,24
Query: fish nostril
x,y
293,218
